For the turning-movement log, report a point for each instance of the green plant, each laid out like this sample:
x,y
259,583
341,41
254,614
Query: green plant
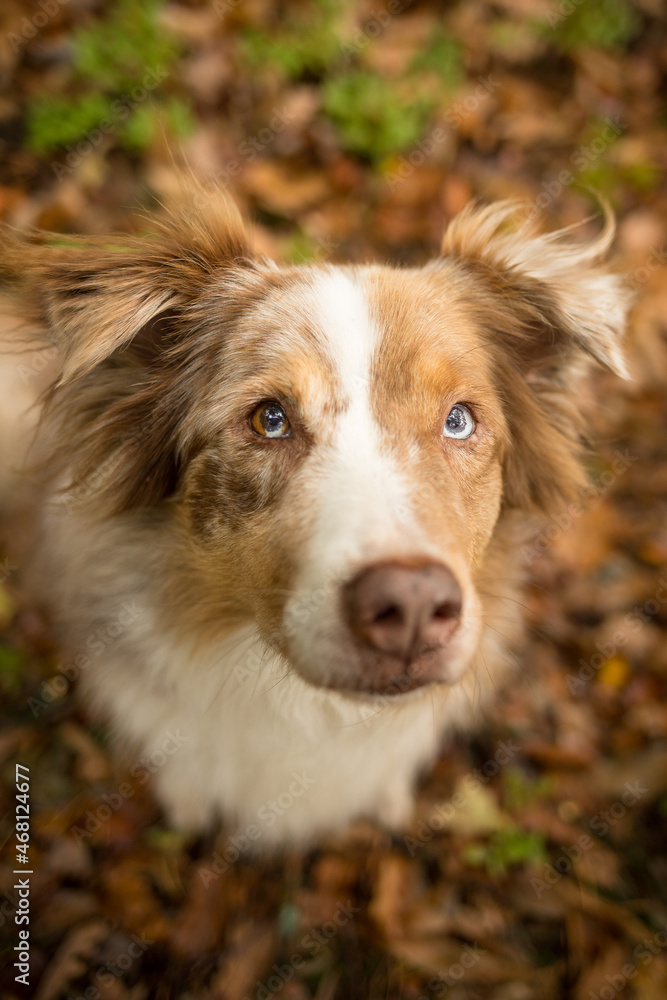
x,y
117,64
117,51
300,248
507,848
441,56
519,790
12,667
374,118
303,44
308,48
605,24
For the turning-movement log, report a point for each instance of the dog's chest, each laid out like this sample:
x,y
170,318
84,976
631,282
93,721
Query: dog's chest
x,y
234,733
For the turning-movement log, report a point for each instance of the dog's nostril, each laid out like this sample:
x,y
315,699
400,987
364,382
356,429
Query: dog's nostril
x,y
389,614
448,610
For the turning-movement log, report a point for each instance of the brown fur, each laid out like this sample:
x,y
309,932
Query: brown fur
x,y
170,343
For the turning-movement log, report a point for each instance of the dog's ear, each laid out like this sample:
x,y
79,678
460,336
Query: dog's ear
x,y
565,302
547,307
89,296
129,317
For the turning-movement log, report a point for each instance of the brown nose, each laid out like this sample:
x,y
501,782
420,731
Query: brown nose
x,y
404,611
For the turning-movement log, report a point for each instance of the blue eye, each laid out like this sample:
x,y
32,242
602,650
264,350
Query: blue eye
x,y
270,420
459,423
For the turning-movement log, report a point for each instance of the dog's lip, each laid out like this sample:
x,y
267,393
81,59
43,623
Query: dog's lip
x,y
396,685
399,687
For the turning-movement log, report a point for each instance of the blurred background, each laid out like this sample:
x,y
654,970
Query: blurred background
x,y
537,863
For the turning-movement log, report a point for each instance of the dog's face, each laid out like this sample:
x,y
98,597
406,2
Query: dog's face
x,y
353,472
336,444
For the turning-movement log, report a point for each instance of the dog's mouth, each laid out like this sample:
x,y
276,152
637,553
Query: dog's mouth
x,y
396,688
397,627
394,679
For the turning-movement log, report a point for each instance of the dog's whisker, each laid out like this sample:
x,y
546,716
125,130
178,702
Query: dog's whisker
x,y
505,598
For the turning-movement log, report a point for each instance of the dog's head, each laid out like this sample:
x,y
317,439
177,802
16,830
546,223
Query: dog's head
x,y
333,447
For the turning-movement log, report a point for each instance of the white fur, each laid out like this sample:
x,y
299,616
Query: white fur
x,y
229,728
247,729
363,501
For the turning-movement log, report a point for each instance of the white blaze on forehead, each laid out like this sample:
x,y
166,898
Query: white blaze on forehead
x,y
359,492
363,509
350,334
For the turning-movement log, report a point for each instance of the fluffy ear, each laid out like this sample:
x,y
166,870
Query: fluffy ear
x,y
566,301
128,315
547,307
89,296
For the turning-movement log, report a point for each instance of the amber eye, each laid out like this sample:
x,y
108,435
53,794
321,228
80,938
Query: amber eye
x,y
269,420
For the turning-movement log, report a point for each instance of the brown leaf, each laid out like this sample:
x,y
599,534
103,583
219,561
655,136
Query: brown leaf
x,y
251,949
283,189
394,892
71,959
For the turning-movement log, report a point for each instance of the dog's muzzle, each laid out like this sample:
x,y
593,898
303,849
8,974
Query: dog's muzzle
x,y
403,618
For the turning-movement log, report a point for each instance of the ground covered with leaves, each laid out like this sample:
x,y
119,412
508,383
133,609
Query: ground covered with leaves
x,y
536,866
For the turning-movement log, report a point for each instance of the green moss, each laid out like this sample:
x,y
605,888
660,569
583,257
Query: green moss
x,y
373,117
12,669
55,121
441,56
306,43
118,66
506,849
300,248
604,24
520,790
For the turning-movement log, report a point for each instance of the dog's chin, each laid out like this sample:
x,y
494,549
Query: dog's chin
x,y
390,678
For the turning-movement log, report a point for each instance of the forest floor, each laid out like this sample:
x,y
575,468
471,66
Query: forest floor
x,y
536,866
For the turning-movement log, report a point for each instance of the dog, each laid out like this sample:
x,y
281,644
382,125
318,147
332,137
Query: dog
x,y
280,508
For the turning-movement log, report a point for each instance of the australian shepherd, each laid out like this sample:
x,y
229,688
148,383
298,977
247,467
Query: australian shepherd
x,y
280,508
